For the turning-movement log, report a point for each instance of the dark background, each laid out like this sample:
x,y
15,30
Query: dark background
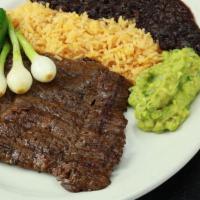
x,y
183,186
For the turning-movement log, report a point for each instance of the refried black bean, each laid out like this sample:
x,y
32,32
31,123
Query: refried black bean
x,y
170,22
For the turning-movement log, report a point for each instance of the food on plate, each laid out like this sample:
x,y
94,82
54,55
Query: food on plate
x,y
120,46
72,128
3,56
169,21
163,94
19,79
3,27
43,68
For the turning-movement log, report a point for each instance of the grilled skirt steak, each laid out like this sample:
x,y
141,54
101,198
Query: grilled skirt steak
x,y
72,128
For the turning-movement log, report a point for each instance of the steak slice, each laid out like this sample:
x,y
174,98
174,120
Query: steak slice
x,y
72,128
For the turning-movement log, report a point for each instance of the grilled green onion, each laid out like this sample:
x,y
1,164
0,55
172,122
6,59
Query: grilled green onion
x,y
19,79
3,56
43,68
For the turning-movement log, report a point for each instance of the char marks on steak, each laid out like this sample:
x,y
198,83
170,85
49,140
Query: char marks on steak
x,y
72,128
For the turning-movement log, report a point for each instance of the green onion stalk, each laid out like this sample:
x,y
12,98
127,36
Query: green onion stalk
x,y
43,68
3,56
19,79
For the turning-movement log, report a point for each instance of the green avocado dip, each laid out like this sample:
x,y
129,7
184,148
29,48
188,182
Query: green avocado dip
x,y
163,94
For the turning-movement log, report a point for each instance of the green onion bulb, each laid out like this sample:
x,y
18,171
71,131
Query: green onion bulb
x,y
19,79
43,68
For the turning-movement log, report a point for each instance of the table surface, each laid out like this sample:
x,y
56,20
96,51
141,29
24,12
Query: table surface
x,y
185,185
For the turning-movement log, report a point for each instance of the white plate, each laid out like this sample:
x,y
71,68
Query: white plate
x,y
148,160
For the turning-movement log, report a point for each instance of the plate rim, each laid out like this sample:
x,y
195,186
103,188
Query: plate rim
x,y
164,179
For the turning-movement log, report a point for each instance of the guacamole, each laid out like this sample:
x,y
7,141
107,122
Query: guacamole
x,y
163,94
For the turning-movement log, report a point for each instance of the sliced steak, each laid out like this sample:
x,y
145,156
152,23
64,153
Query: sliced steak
x,y
72,128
